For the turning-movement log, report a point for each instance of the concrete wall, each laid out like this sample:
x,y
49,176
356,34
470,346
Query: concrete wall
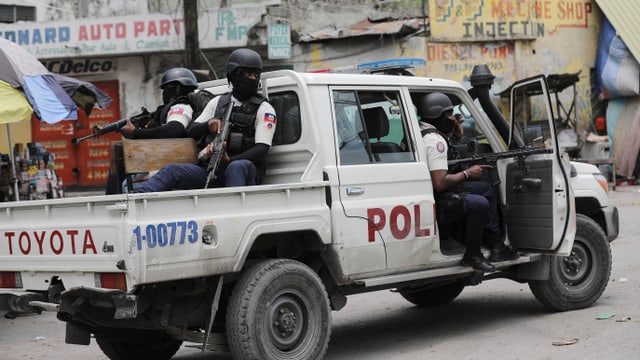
x,y
517,39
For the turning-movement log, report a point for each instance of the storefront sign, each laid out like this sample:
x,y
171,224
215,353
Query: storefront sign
x,y
70,67
131,34
472,20
279,41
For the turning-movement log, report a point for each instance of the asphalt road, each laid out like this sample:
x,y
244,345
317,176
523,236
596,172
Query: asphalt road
x,y
496,320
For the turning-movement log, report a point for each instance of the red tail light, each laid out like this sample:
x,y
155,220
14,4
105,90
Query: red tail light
x,y
112,281
10,280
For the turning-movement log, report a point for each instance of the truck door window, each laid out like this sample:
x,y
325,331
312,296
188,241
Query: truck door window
x,y
287,109
530,114
473,140
371,127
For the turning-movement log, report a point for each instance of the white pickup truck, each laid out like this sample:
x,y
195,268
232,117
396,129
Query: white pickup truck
x,y
346,207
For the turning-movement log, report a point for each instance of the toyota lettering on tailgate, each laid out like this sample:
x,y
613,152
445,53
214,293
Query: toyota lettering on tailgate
x,y
48,242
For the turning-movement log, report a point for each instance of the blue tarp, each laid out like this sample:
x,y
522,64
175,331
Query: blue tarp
x,y
617,71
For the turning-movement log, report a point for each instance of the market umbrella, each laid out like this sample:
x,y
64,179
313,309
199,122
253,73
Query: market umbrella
x,y
83,93
29,86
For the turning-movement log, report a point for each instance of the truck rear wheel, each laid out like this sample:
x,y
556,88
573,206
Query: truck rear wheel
x,y
278,310
578,280
139,344
432,295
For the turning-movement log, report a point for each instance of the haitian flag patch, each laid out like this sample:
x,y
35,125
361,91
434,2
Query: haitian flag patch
x,y
270,118
175,110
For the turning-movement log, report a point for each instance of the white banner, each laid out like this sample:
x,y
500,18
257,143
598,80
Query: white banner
x,y
131,34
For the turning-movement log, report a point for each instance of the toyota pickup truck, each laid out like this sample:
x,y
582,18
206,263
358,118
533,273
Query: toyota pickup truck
x,y
346,206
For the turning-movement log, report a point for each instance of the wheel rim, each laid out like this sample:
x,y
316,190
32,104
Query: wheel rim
x,y
576,270
288,321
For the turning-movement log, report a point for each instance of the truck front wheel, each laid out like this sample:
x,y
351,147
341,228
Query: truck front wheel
x,y
577,281
278,310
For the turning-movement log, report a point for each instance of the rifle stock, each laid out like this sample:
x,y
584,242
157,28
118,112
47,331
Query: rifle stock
x,y
138,120
218,145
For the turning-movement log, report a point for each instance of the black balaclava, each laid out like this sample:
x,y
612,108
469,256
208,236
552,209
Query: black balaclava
x,y
444,124
243,87
171,92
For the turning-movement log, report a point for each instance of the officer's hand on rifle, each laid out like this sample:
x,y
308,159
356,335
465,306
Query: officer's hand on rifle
x,y
127,129
474,172
215,125
208,151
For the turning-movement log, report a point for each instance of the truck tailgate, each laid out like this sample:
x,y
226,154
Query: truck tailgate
x,y
73,237
151,237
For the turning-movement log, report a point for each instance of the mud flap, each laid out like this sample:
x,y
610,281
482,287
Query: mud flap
x,y
76,335
537,270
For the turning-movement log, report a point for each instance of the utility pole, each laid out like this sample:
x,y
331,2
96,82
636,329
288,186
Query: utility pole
x,y
191,45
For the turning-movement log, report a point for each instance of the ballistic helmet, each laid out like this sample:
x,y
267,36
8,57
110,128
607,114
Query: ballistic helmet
x,y
243,58
180,75
431,106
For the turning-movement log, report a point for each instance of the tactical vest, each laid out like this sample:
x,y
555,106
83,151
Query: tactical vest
x,y
242,129
159,117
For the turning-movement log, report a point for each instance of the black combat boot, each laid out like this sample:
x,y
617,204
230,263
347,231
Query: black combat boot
x,y
501,252
478,262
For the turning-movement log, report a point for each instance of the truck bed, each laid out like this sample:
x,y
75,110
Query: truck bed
x,y
159,234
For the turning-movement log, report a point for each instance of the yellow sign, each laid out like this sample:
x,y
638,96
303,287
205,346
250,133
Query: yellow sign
x,y
474,20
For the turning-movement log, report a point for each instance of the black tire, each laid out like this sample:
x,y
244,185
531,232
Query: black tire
x,y
432,295
278,310
578,280
139,345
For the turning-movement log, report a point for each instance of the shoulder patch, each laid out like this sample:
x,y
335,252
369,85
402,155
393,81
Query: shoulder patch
x,y
440,147
269,118
176,110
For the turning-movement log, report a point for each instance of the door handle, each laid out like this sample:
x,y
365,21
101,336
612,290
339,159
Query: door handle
x,y
532,182
355,190
528,182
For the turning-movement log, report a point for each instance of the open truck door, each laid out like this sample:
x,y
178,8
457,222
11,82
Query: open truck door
x,y
540,212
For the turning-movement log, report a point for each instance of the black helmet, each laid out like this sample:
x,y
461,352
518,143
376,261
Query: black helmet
x,y
181,75
243,58
431,106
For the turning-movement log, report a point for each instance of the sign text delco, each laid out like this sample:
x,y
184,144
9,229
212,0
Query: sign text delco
x,y
75,67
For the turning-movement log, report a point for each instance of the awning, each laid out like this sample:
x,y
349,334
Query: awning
x,y
367,27
624,16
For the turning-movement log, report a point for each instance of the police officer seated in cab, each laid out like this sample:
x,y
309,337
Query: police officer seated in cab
x,y
169,120
253,123
478,203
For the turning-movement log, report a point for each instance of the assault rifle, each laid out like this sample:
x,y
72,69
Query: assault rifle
x,y
139,121
218,145
492,158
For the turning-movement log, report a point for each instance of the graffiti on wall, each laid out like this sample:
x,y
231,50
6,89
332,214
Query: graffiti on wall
x,y
471,20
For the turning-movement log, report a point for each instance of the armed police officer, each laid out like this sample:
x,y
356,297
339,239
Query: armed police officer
x,y
169,120
252,126
458,192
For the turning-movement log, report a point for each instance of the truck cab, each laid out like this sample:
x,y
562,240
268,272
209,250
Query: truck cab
x,y
346,206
